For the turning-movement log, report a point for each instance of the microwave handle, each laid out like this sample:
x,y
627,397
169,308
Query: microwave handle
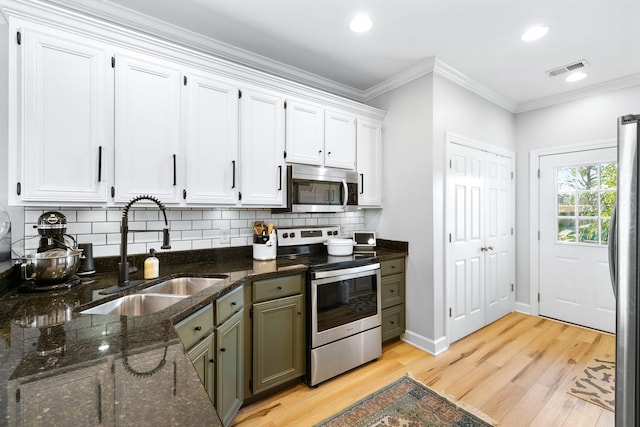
x,y
345,193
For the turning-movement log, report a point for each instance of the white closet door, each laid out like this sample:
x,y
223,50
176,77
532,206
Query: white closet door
x,y
481,255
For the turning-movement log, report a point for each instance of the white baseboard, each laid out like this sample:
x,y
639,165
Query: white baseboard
x,y
523,308
430,346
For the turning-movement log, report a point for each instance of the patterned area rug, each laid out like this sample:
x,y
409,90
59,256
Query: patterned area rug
x,y
597,384
404,403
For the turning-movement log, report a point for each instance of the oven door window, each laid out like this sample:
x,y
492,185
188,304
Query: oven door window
x,y
346,301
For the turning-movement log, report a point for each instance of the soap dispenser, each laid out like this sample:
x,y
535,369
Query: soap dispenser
x,y
151,266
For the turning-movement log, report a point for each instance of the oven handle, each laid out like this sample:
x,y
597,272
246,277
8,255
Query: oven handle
x,y
344,271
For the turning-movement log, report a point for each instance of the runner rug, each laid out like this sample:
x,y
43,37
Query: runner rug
x,y
404,403
597,383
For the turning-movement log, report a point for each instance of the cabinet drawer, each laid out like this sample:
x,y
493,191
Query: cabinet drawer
x,y
229,304
195,327
392,266
277,287
392,322
392,290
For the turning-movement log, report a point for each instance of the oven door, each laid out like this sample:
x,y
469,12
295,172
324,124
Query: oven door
x,y
344,302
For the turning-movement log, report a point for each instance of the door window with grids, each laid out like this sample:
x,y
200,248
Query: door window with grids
x,y
585,198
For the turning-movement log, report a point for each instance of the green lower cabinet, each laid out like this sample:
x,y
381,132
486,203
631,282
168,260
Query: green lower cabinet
x,y
278,342
203,358
229,367
392,322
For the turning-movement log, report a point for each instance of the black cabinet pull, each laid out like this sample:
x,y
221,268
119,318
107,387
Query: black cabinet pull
x,y
175,182
280,177
361,183
212,361
18,188
197,328
279,288
100,163
223,349
184,194
233,174
233,303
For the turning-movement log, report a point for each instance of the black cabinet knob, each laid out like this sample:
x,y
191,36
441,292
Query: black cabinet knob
x,y
197,328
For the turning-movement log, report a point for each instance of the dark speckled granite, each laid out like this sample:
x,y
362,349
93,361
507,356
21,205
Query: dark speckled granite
x,y
118,370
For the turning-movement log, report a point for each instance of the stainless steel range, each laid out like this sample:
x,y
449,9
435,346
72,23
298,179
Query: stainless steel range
x,y
343,303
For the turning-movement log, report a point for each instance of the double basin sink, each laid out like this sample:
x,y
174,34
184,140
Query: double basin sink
x,y
155,298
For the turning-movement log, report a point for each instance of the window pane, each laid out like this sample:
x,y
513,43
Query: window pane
x,y
588,231
566,179
566,204
604,230
587,177
607,199
566,230
608,176
588,204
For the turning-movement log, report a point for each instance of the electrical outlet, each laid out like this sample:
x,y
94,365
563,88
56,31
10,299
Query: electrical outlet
x,y
224,235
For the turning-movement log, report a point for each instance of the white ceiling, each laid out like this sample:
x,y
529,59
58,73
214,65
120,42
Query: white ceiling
x,y
480,39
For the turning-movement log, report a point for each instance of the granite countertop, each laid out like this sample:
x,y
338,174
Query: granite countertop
x,y
45,340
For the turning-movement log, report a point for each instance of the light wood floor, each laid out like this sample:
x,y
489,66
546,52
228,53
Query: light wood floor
x,y
516,370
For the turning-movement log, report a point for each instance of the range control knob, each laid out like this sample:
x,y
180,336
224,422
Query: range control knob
x,y
292,235
285,235
335,232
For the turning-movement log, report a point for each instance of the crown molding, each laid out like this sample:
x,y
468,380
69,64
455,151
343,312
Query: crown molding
x,y
472,85
400,79
137,21
597,89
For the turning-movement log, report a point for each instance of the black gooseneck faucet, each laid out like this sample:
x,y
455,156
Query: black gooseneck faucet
x,y
123,265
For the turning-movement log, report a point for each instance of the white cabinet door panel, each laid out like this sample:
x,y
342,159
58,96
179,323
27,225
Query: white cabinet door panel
x,y
262,148
369,163
305,133
211,141
147,128
339,139
65,97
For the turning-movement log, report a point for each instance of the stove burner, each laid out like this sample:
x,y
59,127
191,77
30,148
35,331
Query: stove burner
x,y
35,287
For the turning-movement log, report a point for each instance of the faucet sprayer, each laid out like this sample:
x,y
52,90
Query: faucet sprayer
x,y
123,265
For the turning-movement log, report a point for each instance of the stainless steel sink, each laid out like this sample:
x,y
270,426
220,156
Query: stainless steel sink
x,y
135,305
183,285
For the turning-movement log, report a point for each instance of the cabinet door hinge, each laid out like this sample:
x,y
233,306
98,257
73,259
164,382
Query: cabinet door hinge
x,y
450,312
19,38
512,287
538,296
113,62
185,80
512,231
251,313
538,173
449,237
250,384
18,188
113,191
17,395
538,234
450,164
511,175
239,94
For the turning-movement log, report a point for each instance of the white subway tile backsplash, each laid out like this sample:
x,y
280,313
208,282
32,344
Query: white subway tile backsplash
x,y
190,228
91,216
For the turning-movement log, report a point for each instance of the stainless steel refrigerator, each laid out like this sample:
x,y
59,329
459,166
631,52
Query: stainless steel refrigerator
x,y
624,262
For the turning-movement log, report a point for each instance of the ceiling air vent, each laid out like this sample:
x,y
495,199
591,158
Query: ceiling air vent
x,y
568,68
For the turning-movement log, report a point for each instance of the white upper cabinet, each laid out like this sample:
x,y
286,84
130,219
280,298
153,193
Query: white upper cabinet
x,y
211,140
262,167
339,139
369,163
60,149
147,127
319,136
305,133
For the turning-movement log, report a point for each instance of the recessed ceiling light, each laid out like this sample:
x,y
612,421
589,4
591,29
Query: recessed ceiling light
x,y
361,24
534,33
574,77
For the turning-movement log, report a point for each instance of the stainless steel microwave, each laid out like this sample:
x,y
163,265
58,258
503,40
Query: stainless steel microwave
x,y
319,189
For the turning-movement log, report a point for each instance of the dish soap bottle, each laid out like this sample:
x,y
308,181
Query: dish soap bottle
x,y
151,266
